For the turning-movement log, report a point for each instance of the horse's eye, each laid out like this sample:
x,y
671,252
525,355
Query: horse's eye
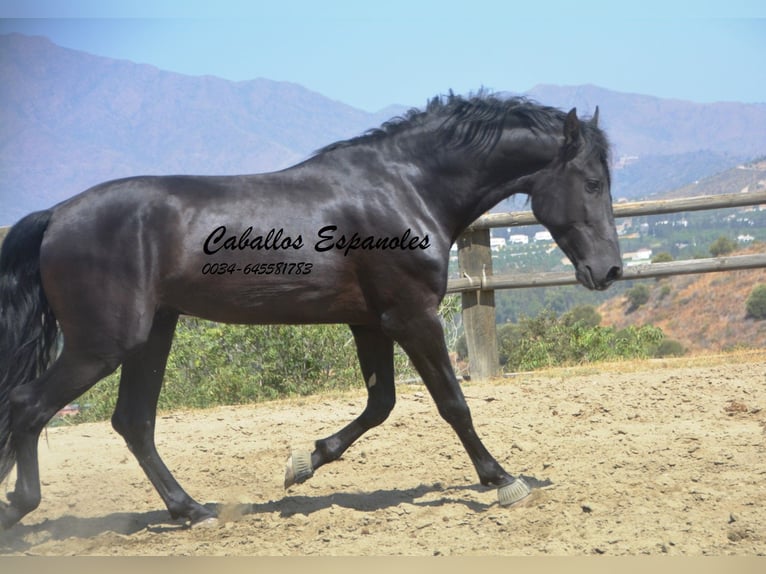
x,y
593,185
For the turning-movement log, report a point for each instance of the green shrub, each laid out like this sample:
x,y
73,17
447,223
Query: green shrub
x,y
586,315
508,339
662,257
722,246
669,348
637,296
756,303
547,341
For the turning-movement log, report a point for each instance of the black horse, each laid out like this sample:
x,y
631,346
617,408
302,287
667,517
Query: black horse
x,y
359,233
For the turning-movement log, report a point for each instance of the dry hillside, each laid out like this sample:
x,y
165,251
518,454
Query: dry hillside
x,y
705,312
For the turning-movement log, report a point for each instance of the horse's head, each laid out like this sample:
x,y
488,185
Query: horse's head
x,y
571,197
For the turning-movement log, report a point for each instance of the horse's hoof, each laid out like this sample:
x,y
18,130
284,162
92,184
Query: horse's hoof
x,y
209,522
513,492
299,468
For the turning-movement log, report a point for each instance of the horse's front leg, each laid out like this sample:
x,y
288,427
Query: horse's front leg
x,y
376,358
422,338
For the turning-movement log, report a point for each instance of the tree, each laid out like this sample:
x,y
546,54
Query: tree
x,y
586,315
637,296
722,246
756,303
669,348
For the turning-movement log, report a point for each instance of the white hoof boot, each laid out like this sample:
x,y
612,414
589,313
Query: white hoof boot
x,y
513,492
211,522
299,468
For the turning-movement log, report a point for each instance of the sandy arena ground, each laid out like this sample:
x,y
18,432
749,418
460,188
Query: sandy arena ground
x,y
658,457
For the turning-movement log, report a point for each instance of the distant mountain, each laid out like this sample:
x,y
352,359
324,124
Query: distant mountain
x,y
652,175
69,120
747,177
647,126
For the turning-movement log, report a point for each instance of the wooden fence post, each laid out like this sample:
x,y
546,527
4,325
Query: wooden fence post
x,y
475,260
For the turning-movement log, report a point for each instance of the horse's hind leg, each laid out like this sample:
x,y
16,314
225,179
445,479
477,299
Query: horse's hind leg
x,y
376,358
32,406
135,414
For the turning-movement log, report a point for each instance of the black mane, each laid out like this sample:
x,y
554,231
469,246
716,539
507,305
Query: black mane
x,y
476,122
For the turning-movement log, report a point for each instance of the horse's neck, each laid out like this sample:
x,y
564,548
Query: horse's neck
x,y
481,183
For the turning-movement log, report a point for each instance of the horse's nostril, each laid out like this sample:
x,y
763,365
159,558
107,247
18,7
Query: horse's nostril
x,y
614,273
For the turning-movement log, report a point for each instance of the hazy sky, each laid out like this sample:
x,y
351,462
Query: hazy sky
x,y
372,53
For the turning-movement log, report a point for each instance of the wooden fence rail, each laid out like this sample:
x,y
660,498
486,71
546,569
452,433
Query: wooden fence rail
x,y
477,284
635,208
644,271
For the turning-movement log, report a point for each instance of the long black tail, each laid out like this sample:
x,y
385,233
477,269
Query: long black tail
x,y
28,328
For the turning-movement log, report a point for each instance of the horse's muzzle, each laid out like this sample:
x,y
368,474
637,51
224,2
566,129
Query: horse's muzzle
x,y
597,281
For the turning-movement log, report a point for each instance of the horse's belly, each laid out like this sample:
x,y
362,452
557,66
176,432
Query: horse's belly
x,y
269,301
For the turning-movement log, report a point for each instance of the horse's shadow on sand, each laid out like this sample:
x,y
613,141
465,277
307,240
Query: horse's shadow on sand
x,y
21,537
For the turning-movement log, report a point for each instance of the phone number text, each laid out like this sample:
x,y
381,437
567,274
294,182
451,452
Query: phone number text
x,y
282,268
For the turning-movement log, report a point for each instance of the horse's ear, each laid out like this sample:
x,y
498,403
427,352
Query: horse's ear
x,y
571,135
571,128
594,119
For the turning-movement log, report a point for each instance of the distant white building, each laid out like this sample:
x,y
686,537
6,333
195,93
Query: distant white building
x,y
519,239
638,257
497,243
642,255
543,236
745,238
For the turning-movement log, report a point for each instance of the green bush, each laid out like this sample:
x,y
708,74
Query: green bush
x,y
637,296
669,348
662,257
722,246
547,341
583,314
509,337
756,303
